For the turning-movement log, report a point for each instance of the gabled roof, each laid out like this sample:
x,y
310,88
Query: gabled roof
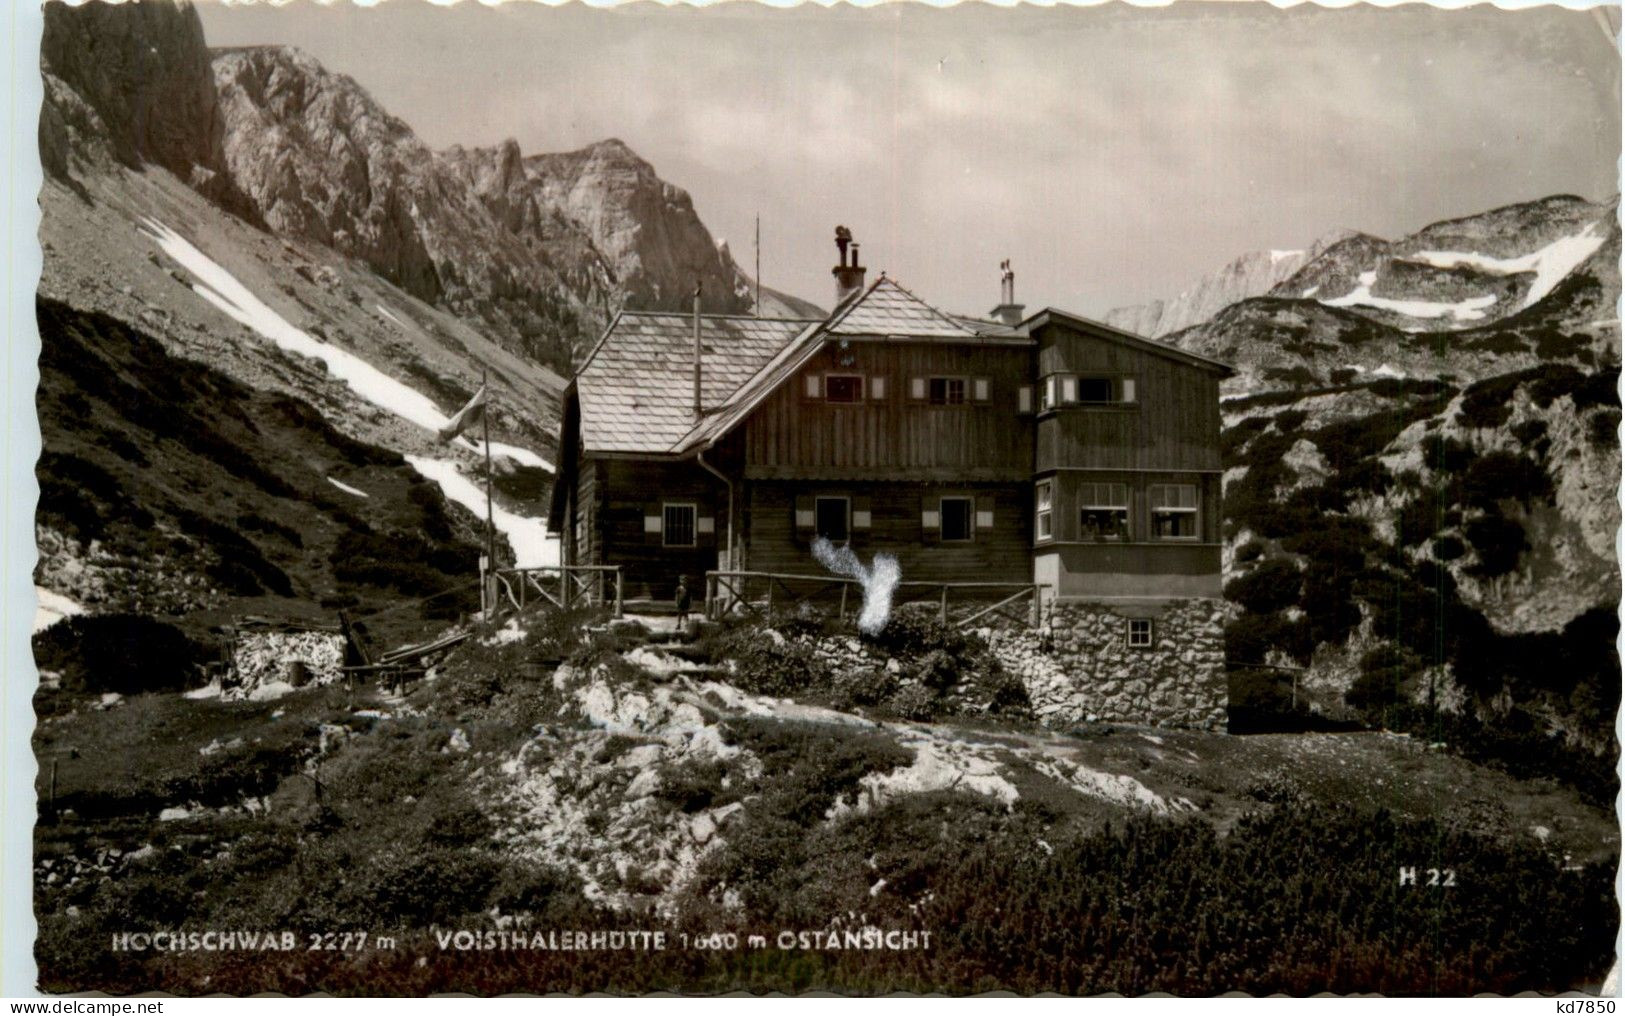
x,y
635,389
1107,332
886,309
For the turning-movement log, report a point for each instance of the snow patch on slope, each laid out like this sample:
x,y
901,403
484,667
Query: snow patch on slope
x,y
1551,264
532,546
222,289
52,608
1471,309
347,488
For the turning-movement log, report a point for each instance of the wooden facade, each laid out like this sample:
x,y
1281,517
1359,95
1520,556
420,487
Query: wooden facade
x,y
1060,451
891,433
1159,447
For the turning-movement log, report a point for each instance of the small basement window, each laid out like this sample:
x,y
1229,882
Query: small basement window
x,y
832,517
1139,633
843,387
679,525
947,391
957,520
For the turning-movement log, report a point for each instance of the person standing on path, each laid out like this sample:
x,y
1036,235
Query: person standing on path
x,y
684,601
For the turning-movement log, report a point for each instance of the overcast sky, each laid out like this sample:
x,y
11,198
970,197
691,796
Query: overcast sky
x,y
1114,153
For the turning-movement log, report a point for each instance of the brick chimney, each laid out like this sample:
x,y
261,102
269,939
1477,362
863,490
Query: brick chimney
x,y
1008,312
848,277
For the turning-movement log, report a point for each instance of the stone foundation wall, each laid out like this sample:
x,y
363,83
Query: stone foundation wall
x,y
1090,673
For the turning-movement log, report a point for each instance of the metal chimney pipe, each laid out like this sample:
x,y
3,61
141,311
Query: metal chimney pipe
x,y
697,407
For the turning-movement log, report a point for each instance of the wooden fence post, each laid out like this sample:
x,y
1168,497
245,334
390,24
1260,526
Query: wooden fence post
x,y
945,603
618,599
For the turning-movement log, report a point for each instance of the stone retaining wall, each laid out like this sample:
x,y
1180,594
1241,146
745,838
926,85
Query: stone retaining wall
x,y
1090,673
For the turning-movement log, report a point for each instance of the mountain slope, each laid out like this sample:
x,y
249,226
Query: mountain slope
x,y
1467,298
539,249
1422,458
1252,274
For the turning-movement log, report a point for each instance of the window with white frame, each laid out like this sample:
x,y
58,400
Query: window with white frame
x,y
1103,511
1087,390
1174,511
1044,524
958,519
843,388
1139,633
678,524
832,517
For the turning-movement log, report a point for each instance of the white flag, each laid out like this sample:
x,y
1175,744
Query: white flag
x,y
466,417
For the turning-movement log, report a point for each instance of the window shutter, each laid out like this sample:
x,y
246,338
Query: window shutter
x,y
815,386
654,523
984,511
1128,390
916,388
705,531
930,520
806,517
1024,399
877,387
981,389
862,515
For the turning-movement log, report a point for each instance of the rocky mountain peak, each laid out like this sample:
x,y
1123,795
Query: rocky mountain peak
x,y
144,70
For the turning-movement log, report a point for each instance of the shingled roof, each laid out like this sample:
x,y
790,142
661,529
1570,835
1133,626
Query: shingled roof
x,y
635,392
887,309
635,389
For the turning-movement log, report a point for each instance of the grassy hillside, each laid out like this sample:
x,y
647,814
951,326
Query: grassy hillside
x,y
628,790
168,489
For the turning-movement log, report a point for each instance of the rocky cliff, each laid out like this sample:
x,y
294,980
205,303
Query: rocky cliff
x,y
539,250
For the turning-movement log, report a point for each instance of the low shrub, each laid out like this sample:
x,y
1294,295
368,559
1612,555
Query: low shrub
x,y
1271,586
124,653
866,687
914,702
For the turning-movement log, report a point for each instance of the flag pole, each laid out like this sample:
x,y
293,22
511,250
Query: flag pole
x,y
490,527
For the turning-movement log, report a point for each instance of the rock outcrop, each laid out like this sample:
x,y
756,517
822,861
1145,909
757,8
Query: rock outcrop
x,y
131,83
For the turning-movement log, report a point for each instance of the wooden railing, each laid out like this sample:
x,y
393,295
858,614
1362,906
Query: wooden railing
x,y
761,593
564,586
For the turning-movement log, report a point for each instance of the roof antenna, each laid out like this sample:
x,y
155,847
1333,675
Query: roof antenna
x,y
697,410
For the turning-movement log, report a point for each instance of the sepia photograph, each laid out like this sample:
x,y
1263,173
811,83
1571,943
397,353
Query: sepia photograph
x,y
1083,500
